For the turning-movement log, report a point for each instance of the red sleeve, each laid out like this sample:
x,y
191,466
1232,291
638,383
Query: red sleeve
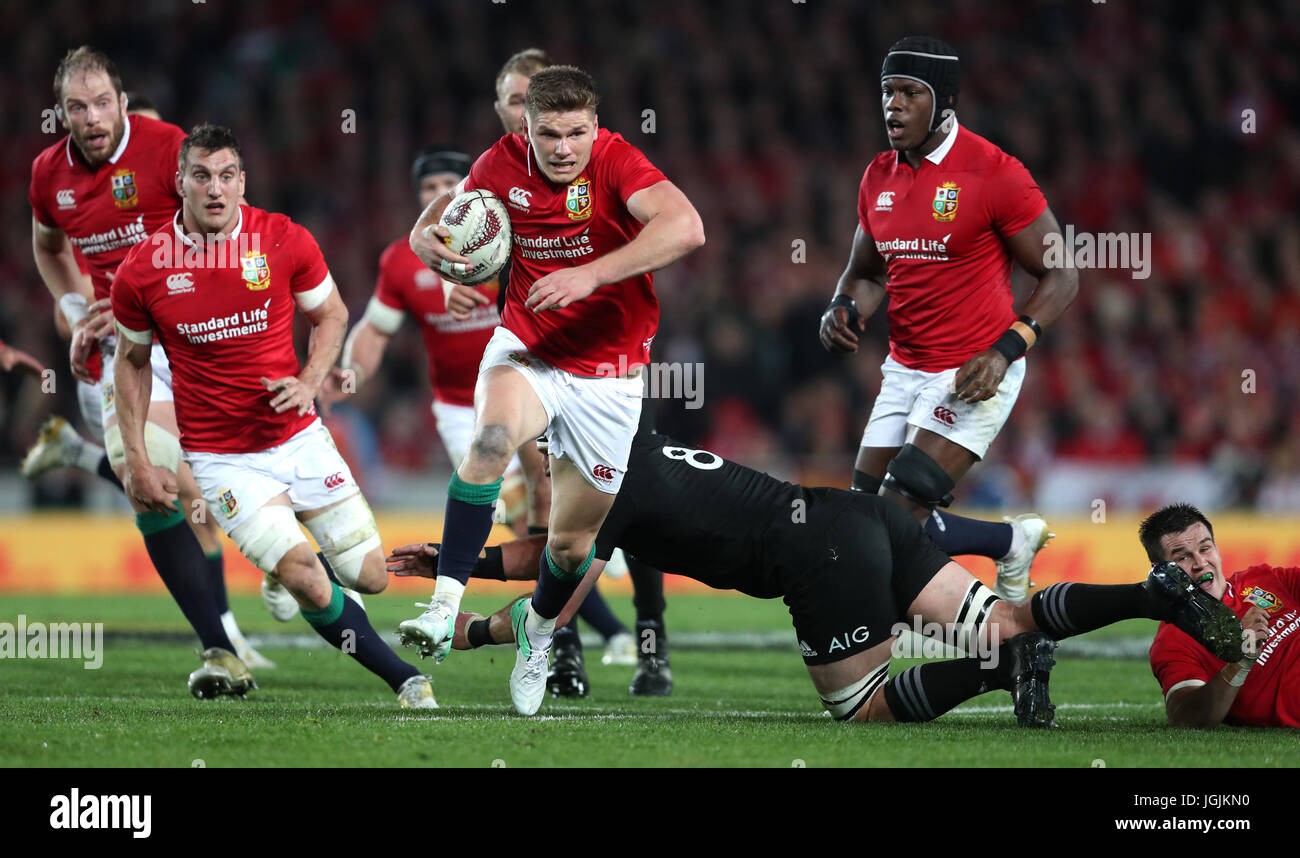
x,y
627,170
862,202
387,290
1290,576
1176,658
311,269
36,197
171,154
128,299
1015,200
480,175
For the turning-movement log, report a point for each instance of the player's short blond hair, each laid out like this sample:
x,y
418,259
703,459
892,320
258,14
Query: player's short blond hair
x,y
560,89
527,63
80,61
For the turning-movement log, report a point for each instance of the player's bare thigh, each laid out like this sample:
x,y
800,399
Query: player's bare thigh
x,y
941,600
373,577
955,460
838,675
507,412
577,511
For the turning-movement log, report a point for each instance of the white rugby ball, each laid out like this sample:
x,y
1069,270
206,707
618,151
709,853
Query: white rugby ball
x,y
480,231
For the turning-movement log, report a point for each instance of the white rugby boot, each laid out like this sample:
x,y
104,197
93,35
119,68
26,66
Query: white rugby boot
x,y
1030,535
278,600
431,632
60,446
417,693
532,656
620,650
243,649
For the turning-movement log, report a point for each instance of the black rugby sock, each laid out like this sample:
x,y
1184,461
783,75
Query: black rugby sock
x,y
595,610
647,590
651,638
555,584
925,692
1065,610
956,534
217,580
466,526
176,555
105,470
347,628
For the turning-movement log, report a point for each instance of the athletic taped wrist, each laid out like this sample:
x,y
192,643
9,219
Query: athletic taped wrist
x,y
1011,345
1243,668
847,303
73,306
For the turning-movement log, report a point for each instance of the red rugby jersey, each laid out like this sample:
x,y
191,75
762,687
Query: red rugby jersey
x,y
225,318
454,348
559,226
105,212
1270,697
940,229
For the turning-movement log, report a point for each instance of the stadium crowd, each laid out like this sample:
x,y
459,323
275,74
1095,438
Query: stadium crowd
x,y
1168,119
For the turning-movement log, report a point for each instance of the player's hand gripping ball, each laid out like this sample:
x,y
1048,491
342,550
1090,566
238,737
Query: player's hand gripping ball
x,y
478,228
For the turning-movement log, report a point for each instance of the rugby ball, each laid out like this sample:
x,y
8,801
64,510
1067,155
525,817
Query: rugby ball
x,y
479,228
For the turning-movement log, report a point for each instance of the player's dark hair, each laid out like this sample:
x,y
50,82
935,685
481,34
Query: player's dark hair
x,y
560,89
210,138
439,158
81,60
527,62
1174,518
138,101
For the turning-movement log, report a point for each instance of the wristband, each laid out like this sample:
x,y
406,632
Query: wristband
x,y
1243,668
1032,325
1011,345
842,300
73,306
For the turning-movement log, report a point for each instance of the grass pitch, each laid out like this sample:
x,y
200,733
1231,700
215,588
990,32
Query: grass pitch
x,y
733,707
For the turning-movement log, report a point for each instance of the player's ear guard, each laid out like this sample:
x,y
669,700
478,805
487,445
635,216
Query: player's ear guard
x,y
919,478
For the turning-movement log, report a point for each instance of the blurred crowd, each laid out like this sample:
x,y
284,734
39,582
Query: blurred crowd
x,y
1169,119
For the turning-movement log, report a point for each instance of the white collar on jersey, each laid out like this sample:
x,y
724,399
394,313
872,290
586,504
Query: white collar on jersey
x,y
179,227
121,147
941,151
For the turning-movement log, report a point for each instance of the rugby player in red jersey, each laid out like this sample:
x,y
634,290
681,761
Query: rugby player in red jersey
x,y
941,218
1262,688
591,218
102,189
218,287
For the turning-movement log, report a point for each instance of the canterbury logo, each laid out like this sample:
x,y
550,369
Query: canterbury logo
x,y
179,283
885,201
65,198
604,473
945,415
520,197
333,481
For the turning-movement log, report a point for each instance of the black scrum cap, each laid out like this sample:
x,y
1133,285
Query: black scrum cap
x,y
439,159
932,62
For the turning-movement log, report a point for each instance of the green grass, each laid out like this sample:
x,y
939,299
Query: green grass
x,y
729,708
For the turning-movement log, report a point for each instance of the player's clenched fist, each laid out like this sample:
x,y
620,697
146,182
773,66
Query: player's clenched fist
x,y
837,326
1254,624
559,289
290,392
979,377
151,487
461,300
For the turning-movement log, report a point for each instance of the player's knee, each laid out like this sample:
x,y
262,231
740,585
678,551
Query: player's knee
x,y
570,550
855,702
1007,620
919,478
268,536
302,576
491,449
349,539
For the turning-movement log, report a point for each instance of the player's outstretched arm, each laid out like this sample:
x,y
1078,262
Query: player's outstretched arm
x,y
1207,705
147,486
426,237
672,229
862,286
12,358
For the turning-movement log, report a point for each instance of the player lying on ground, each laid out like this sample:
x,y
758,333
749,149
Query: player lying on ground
x,y
851,567
942,216
591,219
219,286
103,189
1259,687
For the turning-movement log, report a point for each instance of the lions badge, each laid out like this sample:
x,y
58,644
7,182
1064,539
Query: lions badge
x,y
945,201
226,500
1262,598
256,273
578,201
124,190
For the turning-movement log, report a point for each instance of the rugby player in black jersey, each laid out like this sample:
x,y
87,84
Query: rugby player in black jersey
x,y
851,567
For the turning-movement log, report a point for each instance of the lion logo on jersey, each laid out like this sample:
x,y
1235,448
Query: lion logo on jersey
x,y
945,201
578,200
1262,598
256,273
124,191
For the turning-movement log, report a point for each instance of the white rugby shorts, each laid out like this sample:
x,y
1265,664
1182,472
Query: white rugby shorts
x,y
106,406
308,467
456,428
591,421
912,397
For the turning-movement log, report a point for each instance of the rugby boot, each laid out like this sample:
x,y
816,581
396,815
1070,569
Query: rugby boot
x,y
568,675
431,632
1013,570
528,679
57,446
222,673
1207,620
417,693
1027,662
